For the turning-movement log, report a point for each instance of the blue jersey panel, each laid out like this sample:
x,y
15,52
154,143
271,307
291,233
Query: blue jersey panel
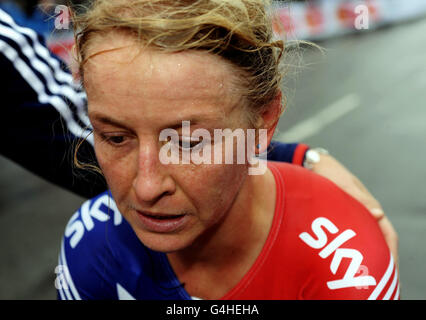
x,y
102,258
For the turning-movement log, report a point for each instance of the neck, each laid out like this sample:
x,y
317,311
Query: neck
x,y
234,243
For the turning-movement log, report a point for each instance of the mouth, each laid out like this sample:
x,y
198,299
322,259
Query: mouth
x,y
161,216
162,222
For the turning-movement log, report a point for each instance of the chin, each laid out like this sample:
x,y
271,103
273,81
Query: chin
x,y
166,243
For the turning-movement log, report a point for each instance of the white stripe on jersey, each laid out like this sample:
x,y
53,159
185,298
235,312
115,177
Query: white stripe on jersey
x,y
383,281
68,278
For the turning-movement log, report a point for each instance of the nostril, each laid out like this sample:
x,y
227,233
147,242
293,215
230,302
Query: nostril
x,y
166,193
150,193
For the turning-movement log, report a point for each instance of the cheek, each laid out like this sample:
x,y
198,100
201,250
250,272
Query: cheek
x,y
212,188
119,171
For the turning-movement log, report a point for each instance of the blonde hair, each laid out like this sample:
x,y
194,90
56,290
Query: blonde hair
x,y
240,31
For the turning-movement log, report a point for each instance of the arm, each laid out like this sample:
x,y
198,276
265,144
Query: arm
x,y
45,111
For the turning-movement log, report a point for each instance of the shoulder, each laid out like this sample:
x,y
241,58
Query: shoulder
x,y
87,259
311,196
336,243
102,258
89,220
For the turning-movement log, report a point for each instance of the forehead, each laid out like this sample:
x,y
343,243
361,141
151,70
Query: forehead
x,y
119,67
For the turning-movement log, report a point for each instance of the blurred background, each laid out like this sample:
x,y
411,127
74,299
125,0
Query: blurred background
x,y
363,99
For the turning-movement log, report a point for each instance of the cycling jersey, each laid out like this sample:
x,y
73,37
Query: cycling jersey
x,y
323,244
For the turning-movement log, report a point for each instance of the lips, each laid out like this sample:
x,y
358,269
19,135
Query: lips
x,y
161,222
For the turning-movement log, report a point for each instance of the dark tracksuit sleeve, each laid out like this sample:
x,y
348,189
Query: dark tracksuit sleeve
x,y
287,152
43,112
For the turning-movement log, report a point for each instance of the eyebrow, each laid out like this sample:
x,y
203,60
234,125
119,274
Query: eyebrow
x,y
174,125
107,120
194,120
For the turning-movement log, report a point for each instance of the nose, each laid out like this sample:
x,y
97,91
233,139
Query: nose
x,y
153,180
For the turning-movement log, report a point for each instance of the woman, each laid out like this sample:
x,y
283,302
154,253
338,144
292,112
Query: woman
x,y
208,229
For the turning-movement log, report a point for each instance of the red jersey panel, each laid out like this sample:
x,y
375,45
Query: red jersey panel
x,y
323,244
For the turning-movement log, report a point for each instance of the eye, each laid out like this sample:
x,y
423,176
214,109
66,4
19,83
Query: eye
x,y
189,144
115,140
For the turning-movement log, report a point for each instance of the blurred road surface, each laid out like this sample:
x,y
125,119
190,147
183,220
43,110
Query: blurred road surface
x,y
365,101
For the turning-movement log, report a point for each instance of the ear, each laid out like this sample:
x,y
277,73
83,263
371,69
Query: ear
x,y
270,117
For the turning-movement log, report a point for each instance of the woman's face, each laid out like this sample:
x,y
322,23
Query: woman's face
x,y
133,95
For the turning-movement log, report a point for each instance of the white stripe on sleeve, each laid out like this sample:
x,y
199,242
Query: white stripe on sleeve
x,y
61,292
392,286
65,294
39,88
68,277
396,297
69,89
383,281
